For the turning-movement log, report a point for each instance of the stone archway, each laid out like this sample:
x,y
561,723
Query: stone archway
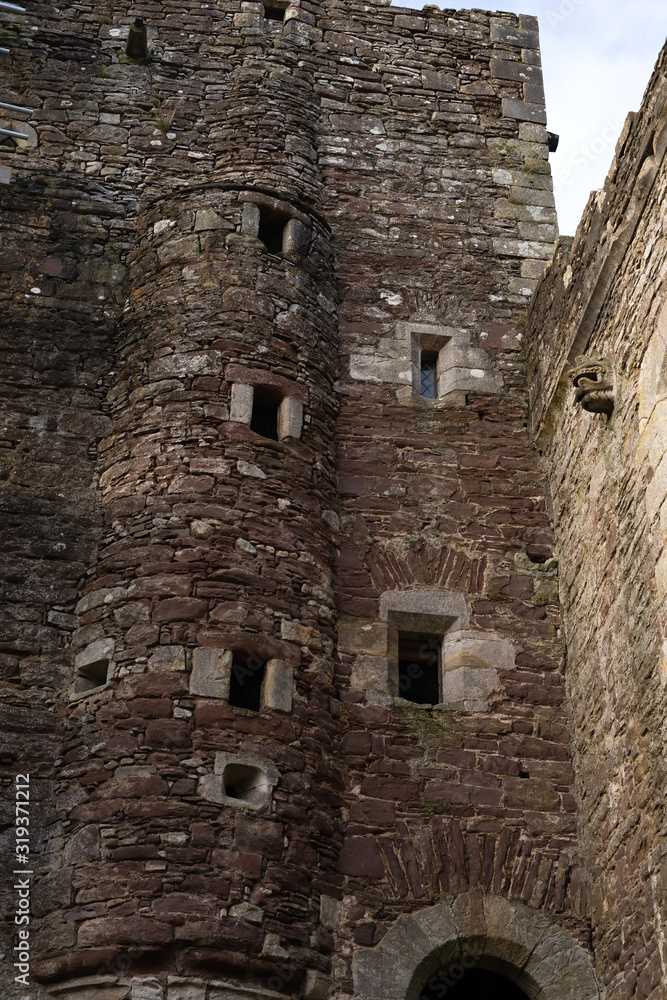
x,y
502,935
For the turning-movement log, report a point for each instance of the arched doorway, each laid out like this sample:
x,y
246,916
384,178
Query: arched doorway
x,y
458,983
511,947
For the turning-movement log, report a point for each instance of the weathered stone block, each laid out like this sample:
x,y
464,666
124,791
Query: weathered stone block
x,y
185,989
290,418
278,685
146,989
296,237
424,609
241,400
374,673
167,658
211,672
523,111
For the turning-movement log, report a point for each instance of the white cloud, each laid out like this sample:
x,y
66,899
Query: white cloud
x,y
597,58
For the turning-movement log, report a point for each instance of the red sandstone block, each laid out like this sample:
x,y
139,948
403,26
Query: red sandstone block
x,y
132,786
183,903
168,733
375,812
133,930
357,743
392,789
152,708
186,855
361,856
259,836
184,786
180,609
213,713
134,851
152,685
160,809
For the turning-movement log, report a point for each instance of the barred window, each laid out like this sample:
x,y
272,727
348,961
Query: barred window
x,y
429,375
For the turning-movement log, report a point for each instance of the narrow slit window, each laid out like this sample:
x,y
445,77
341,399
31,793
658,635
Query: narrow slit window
x,y
271,229
265,406
245,686
429,374
419,668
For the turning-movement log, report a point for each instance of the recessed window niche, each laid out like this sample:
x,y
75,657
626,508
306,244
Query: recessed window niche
x,y
419,663
246,679
265,412
92,666
275,10
268,410
240,782
279,227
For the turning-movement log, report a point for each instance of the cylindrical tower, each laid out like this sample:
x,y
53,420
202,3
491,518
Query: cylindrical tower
x,y
203,817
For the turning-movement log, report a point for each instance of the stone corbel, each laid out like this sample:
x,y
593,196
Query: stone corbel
x,y
591,376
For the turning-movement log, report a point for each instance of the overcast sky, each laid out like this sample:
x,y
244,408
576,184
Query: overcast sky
x,y
598,56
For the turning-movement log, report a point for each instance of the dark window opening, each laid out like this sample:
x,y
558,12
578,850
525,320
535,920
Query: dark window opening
x,y
429,374
241,781
271,228
265,406
274,13
419,668
463,983
92,676
245,686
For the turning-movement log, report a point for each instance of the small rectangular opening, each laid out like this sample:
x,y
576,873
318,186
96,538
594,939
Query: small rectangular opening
x,y
274,13
429,374
271,229
265,405
245,685
244,783
419,667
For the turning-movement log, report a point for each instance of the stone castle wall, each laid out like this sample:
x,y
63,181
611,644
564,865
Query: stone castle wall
x,y
152,534
604,296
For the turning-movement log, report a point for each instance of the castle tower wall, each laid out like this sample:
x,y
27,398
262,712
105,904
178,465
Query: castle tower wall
x,y
599,311
305,210
433,193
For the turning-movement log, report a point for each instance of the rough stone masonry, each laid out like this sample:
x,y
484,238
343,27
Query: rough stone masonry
x,y
599,318
281,647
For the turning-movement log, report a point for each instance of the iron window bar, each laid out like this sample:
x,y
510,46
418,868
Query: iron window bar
x,y
14,135
12,8
428,376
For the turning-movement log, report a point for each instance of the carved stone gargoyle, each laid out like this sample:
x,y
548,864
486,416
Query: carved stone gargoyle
x,y
593,386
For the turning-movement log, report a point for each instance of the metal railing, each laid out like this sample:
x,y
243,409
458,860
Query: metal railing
x,y
6,172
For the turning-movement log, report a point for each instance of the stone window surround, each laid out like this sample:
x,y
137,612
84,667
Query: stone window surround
x,y
95,653
297,232
209,677
502,935
212,786
290,411
211,674
471,660
460,367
